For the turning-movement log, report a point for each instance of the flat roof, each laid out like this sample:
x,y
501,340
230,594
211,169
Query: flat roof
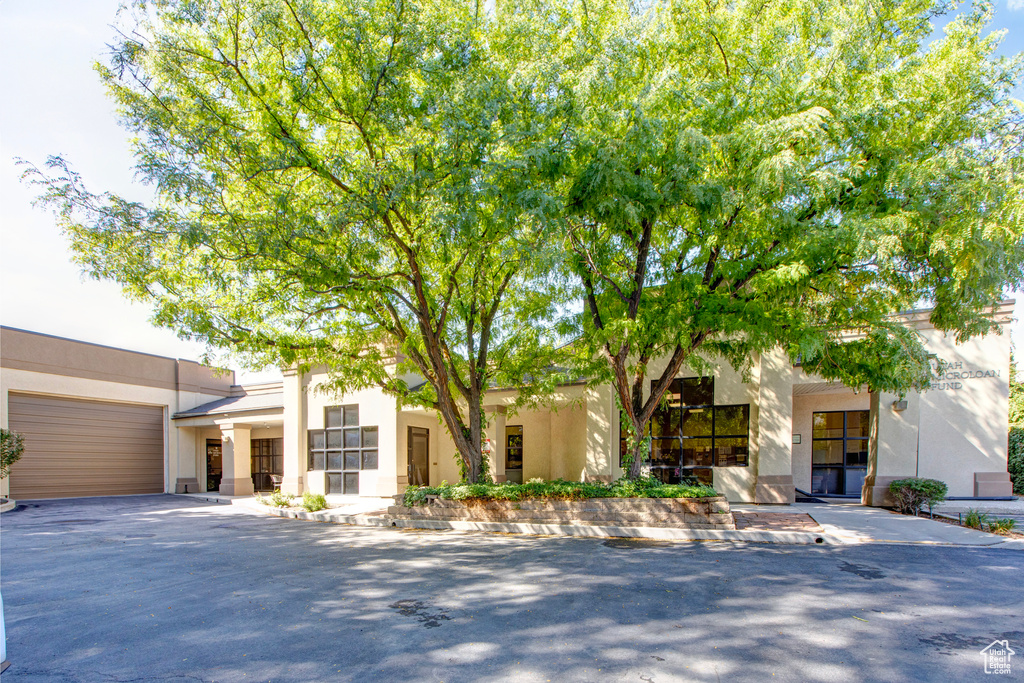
x,y
87,343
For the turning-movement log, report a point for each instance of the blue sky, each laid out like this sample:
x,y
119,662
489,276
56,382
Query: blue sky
x,y
53,104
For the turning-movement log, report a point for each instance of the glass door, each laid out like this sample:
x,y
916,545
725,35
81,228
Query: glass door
x,y
514,454
839,452
214,466
267,459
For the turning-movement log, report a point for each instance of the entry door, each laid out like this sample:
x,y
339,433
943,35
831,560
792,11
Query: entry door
x,y
419,456
214,469
839,452
514,454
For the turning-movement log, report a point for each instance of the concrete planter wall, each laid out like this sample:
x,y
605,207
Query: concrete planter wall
x,y
680,513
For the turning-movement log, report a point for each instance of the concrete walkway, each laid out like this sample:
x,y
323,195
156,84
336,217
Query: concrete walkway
x,y
841,524
858,524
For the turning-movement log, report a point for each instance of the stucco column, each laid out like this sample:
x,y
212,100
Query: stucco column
x,y
495,431
236,461
892,445
775,430
294,433
602,435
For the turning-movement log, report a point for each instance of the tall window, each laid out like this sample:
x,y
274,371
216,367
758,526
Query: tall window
x,y
839,452
267,459
342,449
690,434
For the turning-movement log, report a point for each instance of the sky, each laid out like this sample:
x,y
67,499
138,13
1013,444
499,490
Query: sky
x,y
51,102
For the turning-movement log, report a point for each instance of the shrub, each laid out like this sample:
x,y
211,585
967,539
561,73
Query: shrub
x,y
11,446
313,501
975,519
912,493
1015,461
1001,525
277,499
559,489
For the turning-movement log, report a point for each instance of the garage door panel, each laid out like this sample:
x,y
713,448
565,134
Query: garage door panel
x,y
76,447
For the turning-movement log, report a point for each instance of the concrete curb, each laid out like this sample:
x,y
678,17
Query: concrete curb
x,y
8,505
651,533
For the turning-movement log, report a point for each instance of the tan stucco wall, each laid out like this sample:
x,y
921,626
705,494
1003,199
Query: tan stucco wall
x,y
963,424
375,409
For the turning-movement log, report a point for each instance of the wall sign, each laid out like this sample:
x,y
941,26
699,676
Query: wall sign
x,y
953,375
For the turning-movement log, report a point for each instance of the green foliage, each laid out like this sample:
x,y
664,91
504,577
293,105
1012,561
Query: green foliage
x,y
339,185
912,493
975,519
1001,525
12,444
559,489
313,501
748,176
983,521
1015,459
276,499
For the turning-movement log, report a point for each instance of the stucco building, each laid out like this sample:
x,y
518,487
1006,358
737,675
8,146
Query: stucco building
x,y
758,439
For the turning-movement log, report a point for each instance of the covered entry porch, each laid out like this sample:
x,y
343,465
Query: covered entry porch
x,y
233,446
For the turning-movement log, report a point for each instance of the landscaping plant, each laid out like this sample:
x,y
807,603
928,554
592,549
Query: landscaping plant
x,y
1001,525
277,499
12,445
559,489
313,501
912,493
975,519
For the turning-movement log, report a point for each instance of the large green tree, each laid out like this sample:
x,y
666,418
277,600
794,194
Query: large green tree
x,y
337,183
749,175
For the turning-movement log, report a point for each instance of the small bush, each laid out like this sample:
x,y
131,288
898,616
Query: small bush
x,y
12,445
912,493
277,499
975,519
313,501
559,489
1001,525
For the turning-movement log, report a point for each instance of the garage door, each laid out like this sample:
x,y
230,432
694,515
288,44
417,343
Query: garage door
x,y
76,447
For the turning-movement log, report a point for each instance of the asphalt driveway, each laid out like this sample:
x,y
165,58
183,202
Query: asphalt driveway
x,y
171,589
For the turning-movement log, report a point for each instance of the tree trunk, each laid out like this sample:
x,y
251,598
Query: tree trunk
x,y
475,466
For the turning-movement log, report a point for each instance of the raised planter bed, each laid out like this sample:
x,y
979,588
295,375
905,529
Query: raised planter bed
x,y
679,513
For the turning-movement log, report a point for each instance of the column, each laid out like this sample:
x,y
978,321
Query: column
x,y
775,430
495,432
602,435
892,445
236,461
295,447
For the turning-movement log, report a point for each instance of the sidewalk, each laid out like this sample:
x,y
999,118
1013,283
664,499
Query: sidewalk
x,y
854,523
838,524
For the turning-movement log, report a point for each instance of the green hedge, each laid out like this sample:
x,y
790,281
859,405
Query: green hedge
x,y
1016,459
558,489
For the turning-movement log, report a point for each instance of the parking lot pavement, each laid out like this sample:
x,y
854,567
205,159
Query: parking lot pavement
x,y
163,588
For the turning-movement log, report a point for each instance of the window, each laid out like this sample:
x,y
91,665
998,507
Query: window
x,y
839,452
690,434
342,449
267,458
514,448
